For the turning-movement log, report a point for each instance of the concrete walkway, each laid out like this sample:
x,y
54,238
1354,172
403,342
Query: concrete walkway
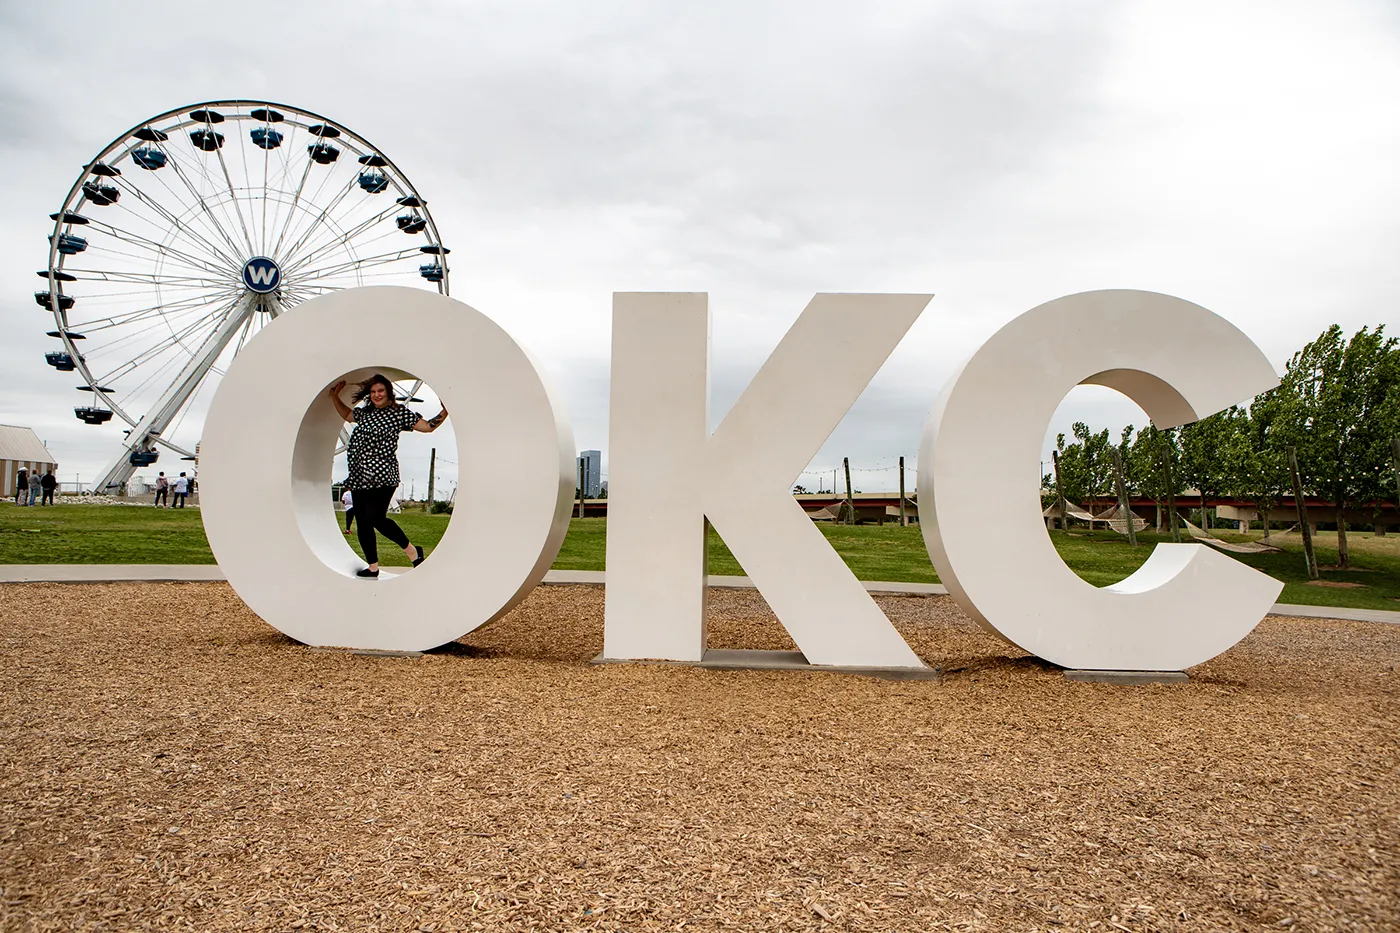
x,y
203,573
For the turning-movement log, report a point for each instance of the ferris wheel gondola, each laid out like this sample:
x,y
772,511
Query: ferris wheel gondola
x,y
188,233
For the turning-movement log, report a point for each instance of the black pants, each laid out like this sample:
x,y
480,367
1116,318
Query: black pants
x,y
47,498
372,514
162,494
180,500
349,517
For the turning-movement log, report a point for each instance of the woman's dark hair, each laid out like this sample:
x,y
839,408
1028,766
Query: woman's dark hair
x,y
377,379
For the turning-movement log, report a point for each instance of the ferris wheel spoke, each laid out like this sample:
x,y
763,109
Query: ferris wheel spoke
x,y
177,339
284,178
291,208
314,223
155,369
142,278
165,260
221,227
262,229
233,196
315,197
318,223
353,247
174,397
248,186
160,249
212,188
93,325
173,221
365,263
334,237
211,260
180,338
347,237
204,214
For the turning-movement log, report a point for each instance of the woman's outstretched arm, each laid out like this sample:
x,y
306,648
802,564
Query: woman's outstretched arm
x,y
429,425
342,408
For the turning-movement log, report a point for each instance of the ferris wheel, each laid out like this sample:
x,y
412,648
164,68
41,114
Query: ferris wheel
x,y
189,232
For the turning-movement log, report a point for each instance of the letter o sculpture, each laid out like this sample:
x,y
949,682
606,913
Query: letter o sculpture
x,y
267,453
981,516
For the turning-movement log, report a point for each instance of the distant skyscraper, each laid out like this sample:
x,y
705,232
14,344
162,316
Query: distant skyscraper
x,y
591,463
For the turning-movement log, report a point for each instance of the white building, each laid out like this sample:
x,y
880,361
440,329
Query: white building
x,y
21,449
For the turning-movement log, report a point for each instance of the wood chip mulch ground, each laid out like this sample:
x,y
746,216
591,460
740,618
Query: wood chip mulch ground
x,y
167,761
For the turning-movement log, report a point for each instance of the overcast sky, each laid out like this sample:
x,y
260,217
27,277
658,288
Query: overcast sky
x,y
1239,155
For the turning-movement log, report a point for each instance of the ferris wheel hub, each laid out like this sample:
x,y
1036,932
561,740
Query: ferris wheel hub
x,y
261,275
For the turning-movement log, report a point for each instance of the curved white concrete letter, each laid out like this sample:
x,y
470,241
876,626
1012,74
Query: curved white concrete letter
x,y
980,510
266,460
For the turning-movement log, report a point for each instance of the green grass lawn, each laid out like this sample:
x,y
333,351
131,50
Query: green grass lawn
x,y
95,534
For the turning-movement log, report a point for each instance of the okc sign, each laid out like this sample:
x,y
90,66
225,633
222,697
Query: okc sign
x,y
266,466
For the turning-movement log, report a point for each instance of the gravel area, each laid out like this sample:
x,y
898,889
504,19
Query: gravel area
x,y
167,761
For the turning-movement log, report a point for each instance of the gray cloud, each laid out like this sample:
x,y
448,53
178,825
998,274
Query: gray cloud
x,y
998,154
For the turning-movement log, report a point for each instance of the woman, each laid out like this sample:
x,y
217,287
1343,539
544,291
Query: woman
x,y
373,453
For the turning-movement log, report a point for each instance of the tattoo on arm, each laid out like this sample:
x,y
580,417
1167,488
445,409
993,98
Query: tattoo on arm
x,y
437,420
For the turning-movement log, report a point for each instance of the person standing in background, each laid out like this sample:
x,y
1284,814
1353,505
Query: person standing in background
x,y
34,489
162,490
49,483
22,487
182,489
347,499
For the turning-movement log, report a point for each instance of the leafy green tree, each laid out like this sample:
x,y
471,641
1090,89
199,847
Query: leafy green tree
x,y
1085,465
1125,450
1257,466
1203,464
1339,406
1154,455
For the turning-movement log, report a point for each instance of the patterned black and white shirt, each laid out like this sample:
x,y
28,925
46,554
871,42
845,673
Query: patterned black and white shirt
x,y
373,451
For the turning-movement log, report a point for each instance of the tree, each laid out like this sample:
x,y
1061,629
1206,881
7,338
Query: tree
x,y
1257,467
1203,465
1339,405
1154,455
1086,465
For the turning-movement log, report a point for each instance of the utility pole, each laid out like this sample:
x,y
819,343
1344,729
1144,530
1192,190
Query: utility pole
x,y
850,503
432,471
580,487
1309,556
1124,511
1059,492
904,516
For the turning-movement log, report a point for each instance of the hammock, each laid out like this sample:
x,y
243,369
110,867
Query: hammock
x,y
1072,510
1118,523
1205,537
1109,517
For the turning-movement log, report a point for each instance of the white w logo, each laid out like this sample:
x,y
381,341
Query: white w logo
x,y
261,274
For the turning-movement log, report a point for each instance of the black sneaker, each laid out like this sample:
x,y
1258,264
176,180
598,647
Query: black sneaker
x,y
419,559
367,574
